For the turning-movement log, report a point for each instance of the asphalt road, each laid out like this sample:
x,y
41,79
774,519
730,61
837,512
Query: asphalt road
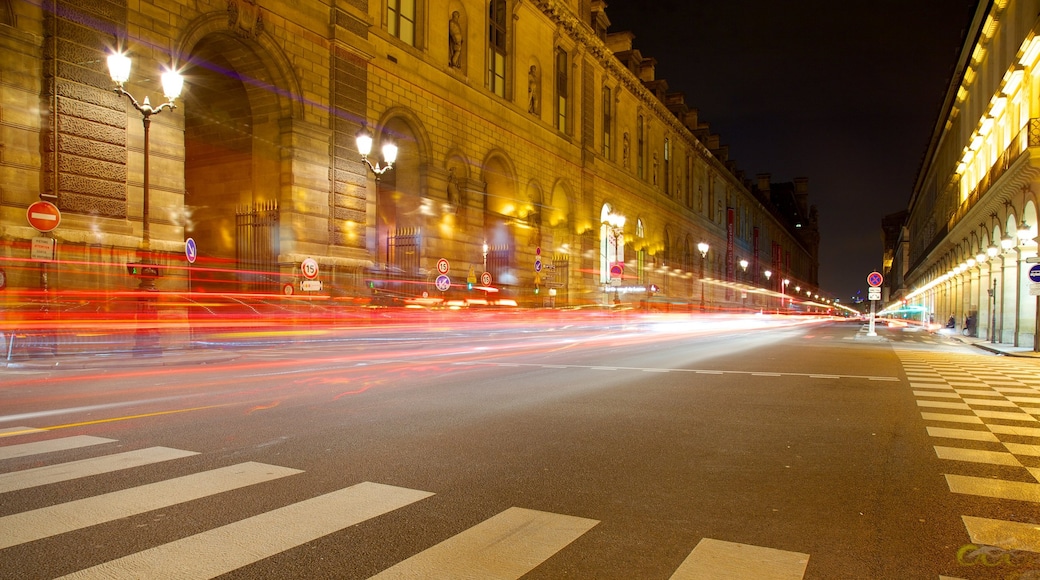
x,y
625,449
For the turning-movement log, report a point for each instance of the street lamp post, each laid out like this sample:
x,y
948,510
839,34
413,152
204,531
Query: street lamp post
x,y
769,275
703,248
119,69
783,293
743,279
616,226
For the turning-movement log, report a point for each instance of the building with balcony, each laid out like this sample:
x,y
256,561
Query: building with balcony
x,y
534,145
971,226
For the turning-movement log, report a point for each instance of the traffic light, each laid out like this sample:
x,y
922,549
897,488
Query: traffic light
x,y
139,269
469,285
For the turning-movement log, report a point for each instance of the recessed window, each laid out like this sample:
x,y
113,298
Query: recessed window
x,y
400,19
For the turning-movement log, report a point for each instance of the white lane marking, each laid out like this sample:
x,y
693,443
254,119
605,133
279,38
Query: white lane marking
x,y
505,547
1003,534
718,560
471,364
996,488
977,456
241,543
951,418
967,434
44,522
51,445
86,467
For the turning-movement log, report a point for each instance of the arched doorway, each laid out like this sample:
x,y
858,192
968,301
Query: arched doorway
x,y
233,166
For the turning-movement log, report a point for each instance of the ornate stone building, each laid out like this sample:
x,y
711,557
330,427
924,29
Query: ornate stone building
x,y
969,237
526,130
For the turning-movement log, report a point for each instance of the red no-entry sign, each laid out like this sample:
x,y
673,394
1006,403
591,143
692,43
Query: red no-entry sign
x,y
43,215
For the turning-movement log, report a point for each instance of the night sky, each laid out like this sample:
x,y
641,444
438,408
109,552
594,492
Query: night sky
x,y
846,94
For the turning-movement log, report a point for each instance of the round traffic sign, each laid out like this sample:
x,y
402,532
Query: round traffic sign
x,y
443,283
1034,273
191,251
442,266
43,215
875,279
309,267
617,270
485,279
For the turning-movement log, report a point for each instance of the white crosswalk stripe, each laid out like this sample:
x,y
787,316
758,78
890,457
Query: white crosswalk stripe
x,y
227,548
50,446
41,523
505,546
85,467
981,407
717,560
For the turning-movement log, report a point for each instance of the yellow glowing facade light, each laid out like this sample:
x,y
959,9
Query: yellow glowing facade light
x,y
997,106
986,127
1031,52
1012,81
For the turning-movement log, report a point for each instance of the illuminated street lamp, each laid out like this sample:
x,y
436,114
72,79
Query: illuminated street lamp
x,y
703,248
364,146
119,69
616,227
783,292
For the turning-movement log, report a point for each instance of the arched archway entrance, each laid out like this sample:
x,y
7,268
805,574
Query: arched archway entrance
x,y
233,165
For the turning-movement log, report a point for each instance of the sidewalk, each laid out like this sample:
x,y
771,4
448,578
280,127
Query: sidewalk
x,y
998,348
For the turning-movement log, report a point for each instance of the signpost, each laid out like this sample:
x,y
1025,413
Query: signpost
x,y
1034,290
874,280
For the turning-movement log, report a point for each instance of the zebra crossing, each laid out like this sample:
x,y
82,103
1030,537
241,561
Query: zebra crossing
x,y
505,546
984,413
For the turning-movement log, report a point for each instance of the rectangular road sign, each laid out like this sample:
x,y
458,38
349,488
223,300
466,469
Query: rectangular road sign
x,y
1034,288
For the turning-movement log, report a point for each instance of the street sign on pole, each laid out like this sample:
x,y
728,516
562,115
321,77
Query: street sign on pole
x,y
43,215
875,279
1034,273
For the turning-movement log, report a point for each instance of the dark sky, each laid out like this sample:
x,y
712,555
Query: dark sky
x,y
844,93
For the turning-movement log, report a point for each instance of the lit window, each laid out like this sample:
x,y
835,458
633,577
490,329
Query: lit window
x,y
606,122
497,47
400,19
561,90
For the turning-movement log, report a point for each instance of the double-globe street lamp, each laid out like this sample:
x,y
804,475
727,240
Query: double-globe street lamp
x,y
703,248
364,146
615,224
172,82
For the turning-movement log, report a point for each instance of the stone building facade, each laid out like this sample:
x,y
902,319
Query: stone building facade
x,y
969,238
525,129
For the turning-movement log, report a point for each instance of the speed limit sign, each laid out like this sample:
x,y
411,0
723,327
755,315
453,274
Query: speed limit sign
x,y
485,279
309,268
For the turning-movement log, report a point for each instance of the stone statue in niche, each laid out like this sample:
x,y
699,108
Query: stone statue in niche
x,y
454,192
624,149
455,41
532,90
